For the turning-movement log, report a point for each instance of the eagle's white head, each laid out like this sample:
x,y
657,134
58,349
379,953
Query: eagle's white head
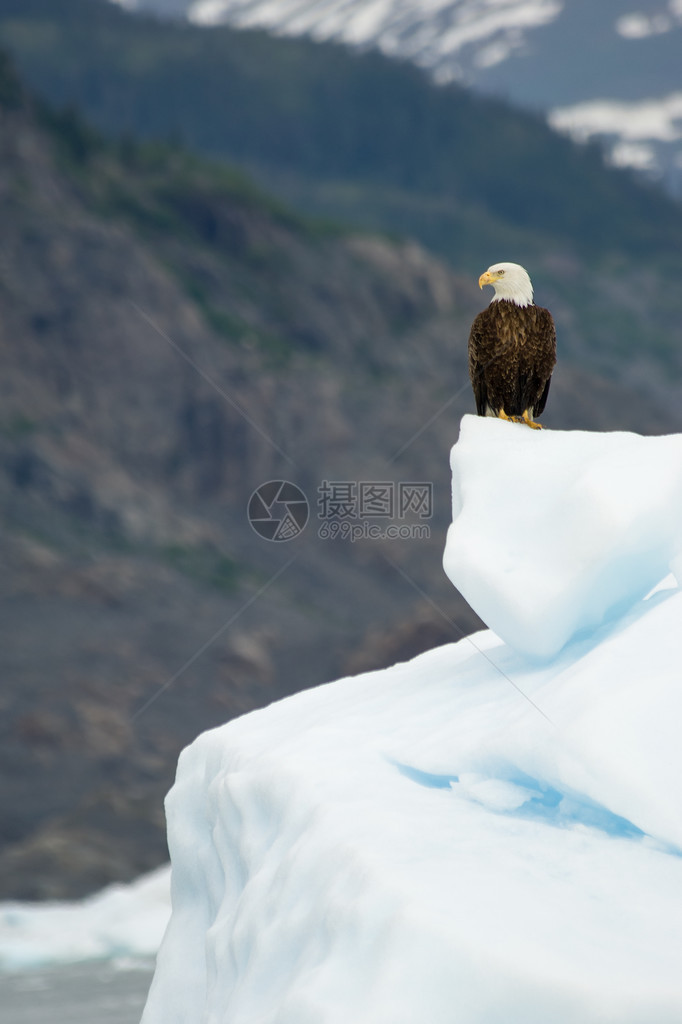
x,y
510,281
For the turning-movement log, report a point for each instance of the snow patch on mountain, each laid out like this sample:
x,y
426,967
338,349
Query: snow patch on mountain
x,y
647,120
645,135
431,33
641,24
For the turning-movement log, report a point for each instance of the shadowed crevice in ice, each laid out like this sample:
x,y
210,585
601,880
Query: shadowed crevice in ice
x,y
522,796
427,779
568,809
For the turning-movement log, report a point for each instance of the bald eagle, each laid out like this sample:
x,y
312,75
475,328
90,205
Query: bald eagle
x,y
512,348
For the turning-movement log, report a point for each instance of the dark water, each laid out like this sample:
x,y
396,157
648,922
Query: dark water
x,y
100,993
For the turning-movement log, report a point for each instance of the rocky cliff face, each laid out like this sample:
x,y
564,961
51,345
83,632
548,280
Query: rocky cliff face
x,y
170,339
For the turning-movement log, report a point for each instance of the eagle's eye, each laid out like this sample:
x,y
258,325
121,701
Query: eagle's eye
x,y
500,273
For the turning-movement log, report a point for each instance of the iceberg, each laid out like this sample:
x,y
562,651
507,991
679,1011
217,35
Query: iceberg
x,y
554,532
121,922
490,833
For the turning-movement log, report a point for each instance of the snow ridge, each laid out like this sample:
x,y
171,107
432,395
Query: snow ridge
x,y
432,33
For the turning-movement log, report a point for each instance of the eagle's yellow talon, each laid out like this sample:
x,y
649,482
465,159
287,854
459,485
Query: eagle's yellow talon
x,y
502,415
528,419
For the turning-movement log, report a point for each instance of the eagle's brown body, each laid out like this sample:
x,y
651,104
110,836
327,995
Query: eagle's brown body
x,y
512,352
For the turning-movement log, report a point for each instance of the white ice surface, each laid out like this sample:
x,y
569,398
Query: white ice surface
x,y
465,837
474,836
554,532
120,921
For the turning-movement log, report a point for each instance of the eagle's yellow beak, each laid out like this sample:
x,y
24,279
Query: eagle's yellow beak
x,y
486,278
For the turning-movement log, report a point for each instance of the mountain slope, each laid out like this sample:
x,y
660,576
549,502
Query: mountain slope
x,y
171,339
321,114
527,52
471,179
